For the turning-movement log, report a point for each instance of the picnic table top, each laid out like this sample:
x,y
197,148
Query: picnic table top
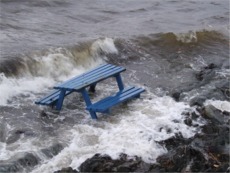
x,y
93,76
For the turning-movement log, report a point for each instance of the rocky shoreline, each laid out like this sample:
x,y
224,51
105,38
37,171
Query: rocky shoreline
x,y
207,151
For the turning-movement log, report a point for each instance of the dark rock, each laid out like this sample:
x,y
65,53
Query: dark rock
x,y
176,96
97,163
176,160
66,170
197,101
194,116
211,66
53,150
174,141
206,73
19,162
224,87
188,121
210,129
104,163
16,134
226,113
213,114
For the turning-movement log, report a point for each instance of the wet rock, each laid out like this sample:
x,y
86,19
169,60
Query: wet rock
x,y
213,114
53,150
210,129
97,163
178,159
206,73
176,96
188,121
19,162
66,170
194,115
16,134
226,113
197,101
223,86
174,141
104,163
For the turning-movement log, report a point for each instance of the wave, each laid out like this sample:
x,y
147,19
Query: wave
x,y
32,73
57,61
190,37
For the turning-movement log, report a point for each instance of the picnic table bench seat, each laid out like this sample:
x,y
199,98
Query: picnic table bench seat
x,y
105,104
51,99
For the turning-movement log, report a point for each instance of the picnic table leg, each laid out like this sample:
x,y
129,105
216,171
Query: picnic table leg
x,y
119,82
60,100
88,103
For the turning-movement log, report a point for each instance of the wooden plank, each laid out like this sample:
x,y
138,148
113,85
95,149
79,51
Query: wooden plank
x,y
105,104
50,98
82,76
120,98
97,77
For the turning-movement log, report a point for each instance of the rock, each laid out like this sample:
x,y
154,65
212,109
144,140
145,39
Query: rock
x,y
97,163
206,73
197,101
174,141
226,113
213,114
223,86
66,170
19,162
194,116
176,96
104,163
210,129
178,159
52,150
188,121
16,134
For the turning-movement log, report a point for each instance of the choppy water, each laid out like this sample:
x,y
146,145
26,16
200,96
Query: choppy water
x,y
162,44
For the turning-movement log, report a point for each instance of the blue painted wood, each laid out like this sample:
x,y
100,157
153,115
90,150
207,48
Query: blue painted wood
x,y
86,97
124,95
89,73
51,98
88,103
60,99
119,82
91,77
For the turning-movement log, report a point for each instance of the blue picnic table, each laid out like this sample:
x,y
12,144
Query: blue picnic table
x,y
90,79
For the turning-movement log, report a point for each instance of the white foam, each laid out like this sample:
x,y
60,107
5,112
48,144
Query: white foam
x,y
133,130
105,45
188,37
